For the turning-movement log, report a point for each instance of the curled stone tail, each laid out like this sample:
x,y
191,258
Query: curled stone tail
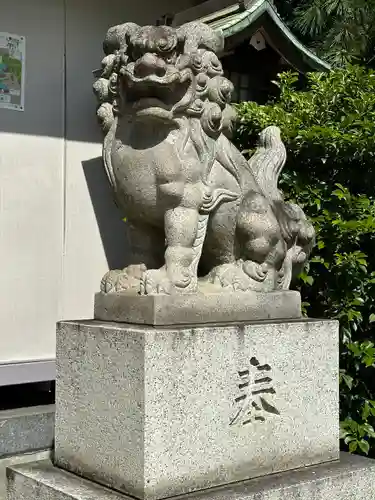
x,y
268,161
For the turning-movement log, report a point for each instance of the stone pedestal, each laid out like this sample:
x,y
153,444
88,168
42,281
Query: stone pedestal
x,y
238,412
351,478
197,308
155,411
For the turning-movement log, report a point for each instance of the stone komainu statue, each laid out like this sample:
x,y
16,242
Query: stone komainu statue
x,y
200,216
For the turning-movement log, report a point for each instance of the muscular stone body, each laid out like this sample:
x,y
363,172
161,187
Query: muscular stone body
x,y
199,213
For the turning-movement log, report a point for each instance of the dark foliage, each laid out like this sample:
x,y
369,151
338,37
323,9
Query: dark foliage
x,y
329,133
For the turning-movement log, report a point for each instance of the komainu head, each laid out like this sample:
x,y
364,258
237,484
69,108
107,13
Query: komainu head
x,y
163,73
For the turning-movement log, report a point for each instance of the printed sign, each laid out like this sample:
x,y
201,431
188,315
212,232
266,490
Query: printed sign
x,y
12,71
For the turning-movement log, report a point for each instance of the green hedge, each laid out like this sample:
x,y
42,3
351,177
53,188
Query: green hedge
x,y
329,132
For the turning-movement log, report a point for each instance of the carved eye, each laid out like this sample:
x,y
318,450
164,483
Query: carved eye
x,y
171,58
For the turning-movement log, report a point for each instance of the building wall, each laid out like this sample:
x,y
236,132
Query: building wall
x,y
59,229
31,180
95,236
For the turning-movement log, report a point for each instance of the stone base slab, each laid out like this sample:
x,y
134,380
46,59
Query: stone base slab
x,y
156,412
197,308
352,478
25,430
15,460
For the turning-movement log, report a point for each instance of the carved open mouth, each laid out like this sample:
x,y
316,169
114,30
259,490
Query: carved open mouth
x,y
154,95
154,91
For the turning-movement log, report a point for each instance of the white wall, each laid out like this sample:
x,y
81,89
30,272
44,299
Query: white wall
x,y
31,167
93,235
59,228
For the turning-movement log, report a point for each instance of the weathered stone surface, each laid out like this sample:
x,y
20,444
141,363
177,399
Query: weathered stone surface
x,y
22,458
26,429
352,478
42,481
197,308
195,207
156,412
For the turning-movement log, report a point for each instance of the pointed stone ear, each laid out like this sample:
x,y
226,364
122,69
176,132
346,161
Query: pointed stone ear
x,y
197,35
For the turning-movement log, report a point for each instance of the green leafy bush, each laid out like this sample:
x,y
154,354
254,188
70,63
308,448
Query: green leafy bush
x,y
329,132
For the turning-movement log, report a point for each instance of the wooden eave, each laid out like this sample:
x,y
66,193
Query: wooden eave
x,y
239,21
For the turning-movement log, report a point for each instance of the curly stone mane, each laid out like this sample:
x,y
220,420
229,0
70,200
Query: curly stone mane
x,y
191,51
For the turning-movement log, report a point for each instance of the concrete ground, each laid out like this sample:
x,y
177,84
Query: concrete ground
x,y
18,459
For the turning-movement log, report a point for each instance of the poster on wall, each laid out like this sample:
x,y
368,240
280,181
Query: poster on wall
x,y
12,71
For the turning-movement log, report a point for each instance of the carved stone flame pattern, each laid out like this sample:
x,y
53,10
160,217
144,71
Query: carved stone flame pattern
x,y
255,387
200,216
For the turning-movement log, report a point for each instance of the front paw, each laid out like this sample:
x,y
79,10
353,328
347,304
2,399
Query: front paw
x,y
123,280
257,272
155,281
230,276
167,281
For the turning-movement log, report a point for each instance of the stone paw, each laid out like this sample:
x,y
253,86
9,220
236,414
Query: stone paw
x,y
182,278
123,280
156,281
230,276
257,272
167,281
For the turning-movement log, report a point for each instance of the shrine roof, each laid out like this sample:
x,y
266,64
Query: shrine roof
x,y
240,20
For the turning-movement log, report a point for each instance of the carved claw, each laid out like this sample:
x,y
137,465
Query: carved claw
x,y
257,272
230,276
109,281
156,281
181,277
167,281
